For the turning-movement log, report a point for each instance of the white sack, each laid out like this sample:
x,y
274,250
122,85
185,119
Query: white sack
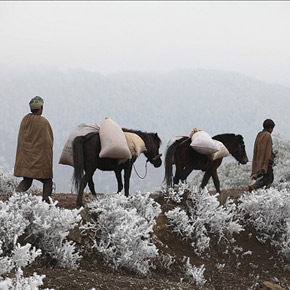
x,y
202,143
113,141
135,143
66,156
222,151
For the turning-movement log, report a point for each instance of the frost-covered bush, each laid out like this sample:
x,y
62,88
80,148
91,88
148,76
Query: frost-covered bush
x,y
45,224
204,217
123,228
12,225
8,181
174,193
195,275
19,257
281,170
268,211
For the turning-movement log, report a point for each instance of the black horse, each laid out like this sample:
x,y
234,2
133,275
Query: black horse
x,y
86,159
186,159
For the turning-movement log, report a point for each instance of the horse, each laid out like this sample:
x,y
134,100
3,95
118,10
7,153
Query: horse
x,y
86,159
186,159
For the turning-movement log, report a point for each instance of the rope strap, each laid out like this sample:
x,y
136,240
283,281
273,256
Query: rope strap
x,y
145,170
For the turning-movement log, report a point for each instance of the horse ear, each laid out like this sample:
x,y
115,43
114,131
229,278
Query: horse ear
x,y
239,138
157,138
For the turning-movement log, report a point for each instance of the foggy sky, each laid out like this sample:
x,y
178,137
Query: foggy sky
x,y
247,37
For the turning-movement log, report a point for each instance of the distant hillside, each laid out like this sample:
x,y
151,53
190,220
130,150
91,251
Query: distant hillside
x,y
171,104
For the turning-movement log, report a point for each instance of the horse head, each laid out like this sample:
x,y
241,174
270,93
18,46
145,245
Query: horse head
x,y
152,153
239,151
235,144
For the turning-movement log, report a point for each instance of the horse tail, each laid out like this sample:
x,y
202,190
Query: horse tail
x,y
78,159
169,162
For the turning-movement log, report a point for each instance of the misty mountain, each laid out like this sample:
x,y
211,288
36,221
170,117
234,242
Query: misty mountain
x,y
169,103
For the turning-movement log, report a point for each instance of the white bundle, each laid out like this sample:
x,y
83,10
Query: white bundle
x,y
202,143
135,143
66,156
113,141
222,151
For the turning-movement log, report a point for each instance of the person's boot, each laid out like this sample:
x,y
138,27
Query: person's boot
x,y
24,185
47,190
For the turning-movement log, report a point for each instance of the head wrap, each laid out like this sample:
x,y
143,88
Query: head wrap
x,y
36,103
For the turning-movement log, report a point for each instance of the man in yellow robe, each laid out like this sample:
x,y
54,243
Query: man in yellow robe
x,y
35,150
262,165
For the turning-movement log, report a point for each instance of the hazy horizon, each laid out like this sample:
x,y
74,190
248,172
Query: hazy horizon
x,y
106,36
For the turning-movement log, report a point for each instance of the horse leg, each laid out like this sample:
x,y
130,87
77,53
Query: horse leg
x,y
186,171
92,186
127,176
178,172
119,179
222,196
83,184
216,181
206,178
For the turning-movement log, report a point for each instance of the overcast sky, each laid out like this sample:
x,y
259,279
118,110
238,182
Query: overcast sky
x,y
246,37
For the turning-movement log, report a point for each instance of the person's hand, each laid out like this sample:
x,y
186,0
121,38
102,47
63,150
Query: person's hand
x,y
260,173
254,176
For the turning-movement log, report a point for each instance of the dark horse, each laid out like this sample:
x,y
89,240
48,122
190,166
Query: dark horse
x,y
186,159
86,158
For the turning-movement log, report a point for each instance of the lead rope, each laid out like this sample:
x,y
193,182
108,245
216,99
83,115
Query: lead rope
x,y
145,170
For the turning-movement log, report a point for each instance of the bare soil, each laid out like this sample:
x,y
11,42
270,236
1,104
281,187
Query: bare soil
x,y
236,271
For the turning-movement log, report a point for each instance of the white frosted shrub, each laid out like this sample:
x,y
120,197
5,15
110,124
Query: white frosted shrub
x,y
174,193
204,218
47,225
20,257
281,170
195,275
12,225
123,230
8,181
268,211
285,241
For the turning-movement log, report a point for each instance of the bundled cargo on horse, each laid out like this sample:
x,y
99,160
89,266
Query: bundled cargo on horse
x,y
83,129
202,143
222,151
113,141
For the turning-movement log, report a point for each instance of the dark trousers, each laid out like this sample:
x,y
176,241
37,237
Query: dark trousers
x,y
266,180
26,183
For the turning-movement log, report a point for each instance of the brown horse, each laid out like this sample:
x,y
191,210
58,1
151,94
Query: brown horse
x,y
186,159
86,158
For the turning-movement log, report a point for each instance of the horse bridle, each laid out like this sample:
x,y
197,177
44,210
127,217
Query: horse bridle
x,y
156,157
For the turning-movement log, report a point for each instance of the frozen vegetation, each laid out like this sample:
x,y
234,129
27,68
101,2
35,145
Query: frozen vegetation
x,y
121,229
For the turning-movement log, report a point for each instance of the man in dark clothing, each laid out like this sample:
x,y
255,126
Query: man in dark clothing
x,y
262,165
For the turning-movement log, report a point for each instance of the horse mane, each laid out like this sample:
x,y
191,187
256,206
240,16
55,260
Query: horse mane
x,y
147,137
228,137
